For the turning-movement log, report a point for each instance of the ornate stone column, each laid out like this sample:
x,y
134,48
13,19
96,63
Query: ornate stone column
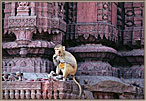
x,y
23,26
13,9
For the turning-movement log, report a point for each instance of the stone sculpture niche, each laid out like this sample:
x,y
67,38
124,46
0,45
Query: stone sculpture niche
x,y
23,9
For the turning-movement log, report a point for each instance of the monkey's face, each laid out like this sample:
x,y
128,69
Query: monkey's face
x,y
59,50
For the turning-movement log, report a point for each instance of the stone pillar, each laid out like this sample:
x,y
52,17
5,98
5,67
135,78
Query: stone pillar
x,y
6,94
22,94
13,8
12,94
45,16
38,94
27,94
32,5
32,94
56,9
17,94
114,14
8,13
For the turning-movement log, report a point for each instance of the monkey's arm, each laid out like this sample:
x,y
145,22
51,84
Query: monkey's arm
x,y
55,60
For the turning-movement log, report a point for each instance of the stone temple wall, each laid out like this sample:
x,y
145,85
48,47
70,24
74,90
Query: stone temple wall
x,y
106,38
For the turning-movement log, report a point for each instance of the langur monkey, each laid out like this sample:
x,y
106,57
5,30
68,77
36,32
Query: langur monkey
x,y
65,62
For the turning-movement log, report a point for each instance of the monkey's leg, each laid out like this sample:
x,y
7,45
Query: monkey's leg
x,y
71,70
65,72
57,70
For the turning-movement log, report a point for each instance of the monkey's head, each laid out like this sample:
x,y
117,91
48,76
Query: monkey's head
x,y
59,50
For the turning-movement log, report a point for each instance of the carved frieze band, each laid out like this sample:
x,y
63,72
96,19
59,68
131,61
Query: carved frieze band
x,y
95,29
32,65
52,23
18,21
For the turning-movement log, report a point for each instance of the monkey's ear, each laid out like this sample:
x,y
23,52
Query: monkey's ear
x,y
63,48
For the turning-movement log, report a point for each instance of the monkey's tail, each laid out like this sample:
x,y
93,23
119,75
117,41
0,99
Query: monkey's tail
x,y
78,85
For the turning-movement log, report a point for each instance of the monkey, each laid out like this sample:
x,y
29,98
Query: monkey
x,y
65,62
19,76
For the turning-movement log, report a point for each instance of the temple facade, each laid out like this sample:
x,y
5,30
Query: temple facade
x,y
106,38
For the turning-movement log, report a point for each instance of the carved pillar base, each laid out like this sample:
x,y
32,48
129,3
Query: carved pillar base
x,y
94,60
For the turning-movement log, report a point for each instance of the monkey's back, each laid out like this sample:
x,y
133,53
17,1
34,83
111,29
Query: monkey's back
x,y
69,58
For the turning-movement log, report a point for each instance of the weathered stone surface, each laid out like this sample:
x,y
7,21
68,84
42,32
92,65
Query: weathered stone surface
x,y
99,84
88,95
35,76
135,52
139,82
111,86
96,69
92,80
86,12
135,71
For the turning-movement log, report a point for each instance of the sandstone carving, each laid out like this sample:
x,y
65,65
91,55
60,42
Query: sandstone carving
x,y
106,39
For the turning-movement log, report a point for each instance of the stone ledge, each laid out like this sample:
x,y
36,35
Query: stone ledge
x,y
32,44
49,89
93,51
92,48
96,79
135,52
6,85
